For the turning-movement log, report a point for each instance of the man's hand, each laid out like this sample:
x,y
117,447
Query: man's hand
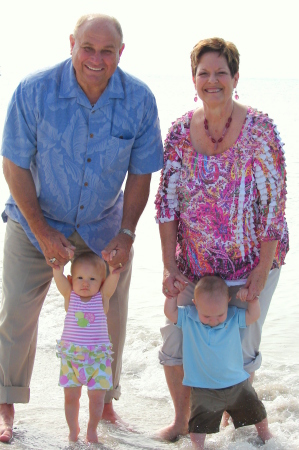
x,y
117,252
55,245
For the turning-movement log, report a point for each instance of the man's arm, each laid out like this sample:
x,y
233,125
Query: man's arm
x,y
171,309
135,198
108,288
52,243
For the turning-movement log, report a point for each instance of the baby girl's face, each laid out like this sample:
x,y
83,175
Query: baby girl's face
x,y
211,312
86,280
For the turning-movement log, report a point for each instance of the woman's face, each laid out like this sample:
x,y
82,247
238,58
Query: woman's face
x,y
213,81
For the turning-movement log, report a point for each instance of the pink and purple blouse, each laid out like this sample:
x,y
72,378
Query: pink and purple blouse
x,y
226,204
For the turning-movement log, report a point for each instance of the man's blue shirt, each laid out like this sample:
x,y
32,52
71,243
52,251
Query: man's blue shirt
x,y
212,356
79,154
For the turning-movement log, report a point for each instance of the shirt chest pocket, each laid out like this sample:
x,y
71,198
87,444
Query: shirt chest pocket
x,y
117,154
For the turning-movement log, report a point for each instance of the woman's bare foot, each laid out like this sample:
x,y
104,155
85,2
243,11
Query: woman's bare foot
x,y
7,413
172,432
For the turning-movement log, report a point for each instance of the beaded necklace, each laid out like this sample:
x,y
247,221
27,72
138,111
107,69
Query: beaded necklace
x,y
227,125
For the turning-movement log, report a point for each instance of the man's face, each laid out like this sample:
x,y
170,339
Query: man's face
x,y
95,50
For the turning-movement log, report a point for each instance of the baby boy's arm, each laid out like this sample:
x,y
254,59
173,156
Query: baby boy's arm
x,y
63,285
108,288
254,310
171,309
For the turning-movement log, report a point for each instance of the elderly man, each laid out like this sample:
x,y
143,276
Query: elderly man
x,y
72,134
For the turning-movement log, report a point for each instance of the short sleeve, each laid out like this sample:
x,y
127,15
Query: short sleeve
x,y
147,150
19,134
167,202
181,311
270,175
241,313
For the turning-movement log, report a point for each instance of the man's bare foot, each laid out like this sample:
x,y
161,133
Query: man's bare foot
x,y
74,433
172,432
7,413
110,415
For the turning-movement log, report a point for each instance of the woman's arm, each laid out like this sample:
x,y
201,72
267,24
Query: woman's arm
x,y
259,275
171,273
168,208
63,285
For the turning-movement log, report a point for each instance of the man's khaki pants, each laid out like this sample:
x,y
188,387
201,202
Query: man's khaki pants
x,y
25,283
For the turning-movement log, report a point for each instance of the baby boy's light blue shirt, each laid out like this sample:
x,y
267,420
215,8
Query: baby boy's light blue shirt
x,y
78,153
212,356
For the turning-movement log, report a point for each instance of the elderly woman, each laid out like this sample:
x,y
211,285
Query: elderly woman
x,y
220,207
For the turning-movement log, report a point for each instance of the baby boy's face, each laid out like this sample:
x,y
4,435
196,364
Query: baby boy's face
x,y
211,312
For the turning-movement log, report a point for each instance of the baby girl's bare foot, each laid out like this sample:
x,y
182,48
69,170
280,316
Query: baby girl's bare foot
x,y
92,435
74,433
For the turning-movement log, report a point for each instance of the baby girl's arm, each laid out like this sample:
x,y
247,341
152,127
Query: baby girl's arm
x,y
108,288
63,285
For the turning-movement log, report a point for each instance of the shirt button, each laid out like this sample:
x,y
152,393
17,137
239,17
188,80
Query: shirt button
x,y
78,225
88,159
85,184
91,135
82,207
92,112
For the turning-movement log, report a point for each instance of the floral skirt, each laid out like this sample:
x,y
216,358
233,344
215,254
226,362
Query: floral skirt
x,y
88,365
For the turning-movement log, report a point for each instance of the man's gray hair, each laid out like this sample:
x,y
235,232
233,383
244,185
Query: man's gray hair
x,y
88,17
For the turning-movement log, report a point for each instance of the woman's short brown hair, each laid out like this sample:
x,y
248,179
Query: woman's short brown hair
x,y
217,45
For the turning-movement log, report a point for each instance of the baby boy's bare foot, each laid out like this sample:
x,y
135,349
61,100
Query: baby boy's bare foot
x,y
263,430
225,419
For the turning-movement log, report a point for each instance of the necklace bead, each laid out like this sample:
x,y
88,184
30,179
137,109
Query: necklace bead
x,y
227,125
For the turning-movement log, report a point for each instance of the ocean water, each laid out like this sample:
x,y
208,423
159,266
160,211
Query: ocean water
x,y
145,402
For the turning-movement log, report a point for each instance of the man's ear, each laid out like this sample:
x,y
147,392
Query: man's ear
x,y
193,301
229,299
69,277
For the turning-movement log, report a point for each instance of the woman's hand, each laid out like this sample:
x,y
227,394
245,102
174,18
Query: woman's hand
x,y
256,282
258,277
173,282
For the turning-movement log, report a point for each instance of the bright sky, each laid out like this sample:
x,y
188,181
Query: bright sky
x,y
159,34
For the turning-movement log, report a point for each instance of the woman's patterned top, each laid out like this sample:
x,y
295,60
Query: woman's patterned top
x,y
226,204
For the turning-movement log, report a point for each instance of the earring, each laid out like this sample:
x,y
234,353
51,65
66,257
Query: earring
x,y
236,95
195,97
